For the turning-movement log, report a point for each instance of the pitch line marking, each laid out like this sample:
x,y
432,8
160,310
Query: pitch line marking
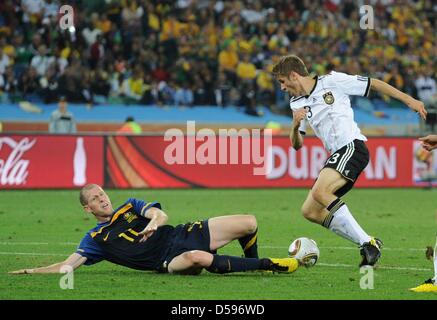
x,y
39,243
7,243
32,254
340,265
334,265
349,248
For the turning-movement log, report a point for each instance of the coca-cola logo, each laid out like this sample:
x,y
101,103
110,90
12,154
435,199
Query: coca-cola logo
x,y
14,169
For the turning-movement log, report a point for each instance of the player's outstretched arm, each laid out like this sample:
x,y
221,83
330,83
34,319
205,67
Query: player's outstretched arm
x,y
295,136
429,142
157,218
385,88
74,261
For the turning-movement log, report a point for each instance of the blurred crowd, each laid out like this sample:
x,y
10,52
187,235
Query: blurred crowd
x,y
203,52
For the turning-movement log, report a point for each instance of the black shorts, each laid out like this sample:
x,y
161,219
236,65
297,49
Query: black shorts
x,y
187,237
349,161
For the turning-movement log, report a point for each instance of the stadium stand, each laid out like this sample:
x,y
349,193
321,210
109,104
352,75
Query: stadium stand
x,y
172,61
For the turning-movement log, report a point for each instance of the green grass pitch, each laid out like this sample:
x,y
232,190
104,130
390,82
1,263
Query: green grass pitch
x,y
43,227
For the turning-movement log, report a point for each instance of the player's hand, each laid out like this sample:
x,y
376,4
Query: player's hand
x,y
419,107
22,271
429,142
298,116
148,231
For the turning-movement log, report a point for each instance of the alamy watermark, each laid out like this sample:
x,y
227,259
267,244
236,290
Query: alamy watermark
x,y
229,147
367,280
67,280
367,20
66,22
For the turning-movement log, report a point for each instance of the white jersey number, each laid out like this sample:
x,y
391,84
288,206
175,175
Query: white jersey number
x,y
309,112
334,158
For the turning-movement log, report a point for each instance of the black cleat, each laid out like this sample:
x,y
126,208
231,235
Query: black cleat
x,y
370,252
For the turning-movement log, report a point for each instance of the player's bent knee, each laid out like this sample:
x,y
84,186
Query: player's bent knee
x,y
252,224
319,194
197,258
309,214
305,211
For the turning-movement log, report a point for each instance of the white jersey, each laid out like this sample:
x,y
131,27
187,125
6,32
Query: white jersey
x,y
329,108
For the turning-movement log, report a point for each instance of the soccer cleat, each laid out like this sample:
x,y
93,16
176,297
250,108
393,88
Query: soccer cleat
x,y
285,265
370,252
428,286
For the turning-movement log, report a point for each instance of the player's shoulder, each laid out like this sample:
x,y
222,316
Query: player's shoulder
x,y
334,76
138,205
89,235
343,81
129,202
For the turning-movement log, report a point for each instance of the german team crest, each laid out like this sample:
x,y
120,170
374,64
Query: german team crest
x,y
328,97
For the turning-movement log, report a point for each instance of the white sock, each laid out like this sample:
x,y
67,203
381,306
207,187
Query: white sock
x,y
345,225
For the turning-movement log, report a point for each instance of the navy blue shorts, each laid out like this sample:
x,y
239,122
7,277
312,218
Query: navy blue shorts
x,y
187,237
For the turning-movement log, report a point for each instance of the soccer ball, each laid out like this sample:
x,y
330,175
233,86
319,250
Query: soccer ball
x,y
305,250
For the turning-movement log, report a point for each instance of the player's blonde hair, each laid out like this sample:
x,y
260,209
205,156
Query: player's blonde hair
x,y
83,193
290,63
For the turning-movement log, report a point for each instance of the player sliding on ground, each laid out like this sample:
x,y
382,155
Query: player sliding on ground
x,y
136,235
429,143
323,102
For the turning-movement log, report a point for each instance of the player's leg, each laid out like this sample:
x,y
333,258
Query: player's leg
x,y
225,229
429,285
192,262
312,210
337,216
434,257
338,176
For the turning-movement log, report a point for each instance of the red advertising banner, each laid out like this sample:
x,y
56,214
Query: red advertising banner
x,y
225,162
43,161
202,161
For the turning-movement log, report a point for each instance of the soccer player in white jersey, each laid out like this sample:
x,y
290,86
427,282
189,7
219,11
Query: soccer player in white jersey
x,y
429,143
323,102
